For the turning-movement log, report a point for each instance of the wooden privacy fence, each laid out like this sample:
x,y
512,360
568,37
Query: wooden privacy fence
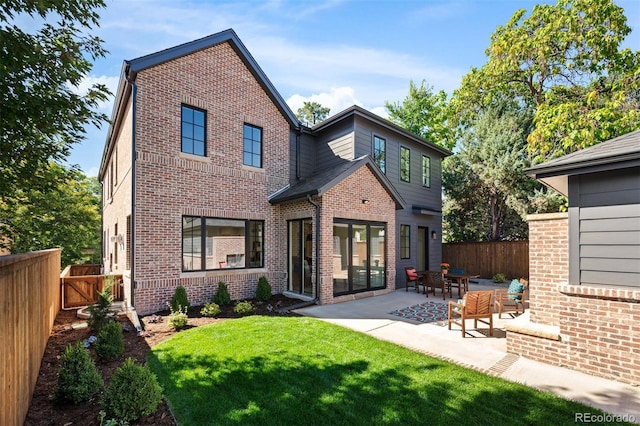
x,y
29,284
489,258
82,283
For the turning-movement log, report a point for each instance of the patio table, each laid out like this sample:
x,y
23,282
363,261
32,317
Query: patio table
x,y
461,281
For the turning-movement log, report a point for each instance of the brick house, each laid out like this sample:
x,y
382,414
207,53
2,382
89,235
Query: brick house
x,y
208,176
585,265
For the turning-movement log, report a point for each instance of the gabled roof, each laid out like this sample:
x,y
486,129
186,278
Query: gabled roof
x,y
617,153
355,110
321,182
131,68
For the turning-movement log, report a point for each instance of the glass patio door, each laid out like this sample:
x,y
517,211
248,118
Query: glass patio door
x,y
300,256
359,253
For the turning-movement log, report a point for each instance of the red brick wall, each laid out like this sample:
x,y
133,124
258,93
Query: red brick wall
x,y
597,328
548,266
345,201
170,184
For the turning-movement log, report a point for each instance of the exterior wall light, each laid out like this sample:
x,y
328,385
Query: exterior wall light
x,y
434,236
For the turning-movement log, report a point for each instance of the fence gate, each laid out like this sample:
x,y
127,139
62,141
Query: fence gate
x,y
82,290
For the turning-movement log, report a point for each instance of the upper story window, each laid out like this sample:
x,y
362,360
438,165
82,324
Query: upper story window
x,y
405,164
252,146
193,130
380,153
426,171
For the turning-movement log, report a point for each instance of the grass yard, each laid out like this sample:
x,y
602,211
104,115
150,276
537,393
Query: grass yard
x,y
263,370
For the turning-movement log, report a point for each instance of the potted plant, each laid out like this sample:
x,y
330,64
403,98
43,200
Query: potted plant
x,y
444,267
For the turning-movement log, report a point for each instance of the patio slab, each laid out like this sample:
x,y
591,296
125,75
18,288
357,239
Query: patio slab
x,y
478,350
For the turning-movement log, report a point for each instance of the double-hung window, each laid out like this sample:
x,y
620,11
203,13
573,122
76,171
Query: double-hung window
x,y
426,171
405,164
216,243
380,153
252,146
193,130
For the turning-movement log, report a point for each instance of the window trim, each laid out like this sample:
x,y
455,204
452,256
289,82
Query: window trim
x,y
408,150
383,168
182,122
248,240
407,246
426,184
261,154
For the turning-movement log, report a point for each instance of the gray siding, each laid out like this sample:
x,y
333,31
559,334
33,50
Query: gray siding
x,y
412,192
605,243
335,144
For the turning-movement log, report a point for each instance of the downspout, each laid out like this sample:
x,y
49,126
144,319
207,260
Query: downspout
x,y
134,92
317,241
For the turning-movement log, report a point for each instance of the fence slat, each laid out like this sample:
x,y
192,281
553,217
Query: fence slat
x,y
29,284
488,258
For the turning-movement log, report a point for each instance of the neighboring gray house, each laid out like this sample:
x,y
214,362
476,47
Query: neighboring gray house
x,y
584,265
603,186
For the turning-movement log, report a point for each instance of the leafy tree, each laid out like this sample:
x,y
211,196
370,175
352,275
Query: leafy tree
x,y
42,113
425,114
64,214
312,113
565,61
487,195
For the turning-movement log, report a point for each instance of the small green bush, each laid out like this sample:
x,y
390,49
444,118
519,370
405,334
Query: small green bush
x,y
133,392
178,319
222,296
78,378
264,289
243,308
100,313
499,278
179,299
210,310
110,342
102,417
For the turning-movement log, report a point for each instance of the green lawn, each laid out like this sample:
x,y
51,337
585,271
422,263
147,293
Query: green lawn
x,y
303,371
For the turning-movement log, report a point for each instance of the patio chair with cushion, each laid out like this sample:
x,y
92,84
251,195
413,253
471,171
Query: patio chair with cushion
x,y
511,299
476,305
413,279
434,280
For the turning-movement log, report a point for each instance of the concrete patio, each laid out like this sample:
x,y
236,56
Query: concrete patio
x,y
478,350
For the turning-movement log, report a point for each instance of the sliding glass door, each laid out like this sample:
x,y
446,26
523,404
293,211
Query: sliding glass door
x,y
359,261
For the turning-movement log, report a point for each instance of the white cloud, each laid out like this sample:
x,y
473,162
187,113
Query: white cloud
x,y
110,81
337,99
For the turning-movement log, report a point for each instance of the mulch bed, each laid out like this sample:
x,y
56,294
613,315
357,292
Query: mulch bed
x,y
68,329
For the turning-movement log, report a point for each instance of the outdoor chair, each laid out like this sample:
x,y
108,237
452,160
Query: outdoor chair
x,y
434,280
476,305
511,299
413,279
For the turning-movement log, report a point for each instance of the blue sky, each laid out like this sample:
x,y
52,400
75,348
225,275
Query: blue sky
x,y
335,52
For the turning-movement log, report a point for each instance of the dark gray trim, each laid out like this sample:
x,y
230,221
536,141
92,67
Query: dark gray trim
x,y
361,112
426,210
226,36
617,153
320,183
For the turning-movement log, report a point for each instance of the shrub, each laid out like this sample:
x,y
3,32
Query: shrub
x,y
102,417
101,313
210,310
243,308
132,393
264,289
110,343
179,300
222,297
78,378
499,278
178,318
